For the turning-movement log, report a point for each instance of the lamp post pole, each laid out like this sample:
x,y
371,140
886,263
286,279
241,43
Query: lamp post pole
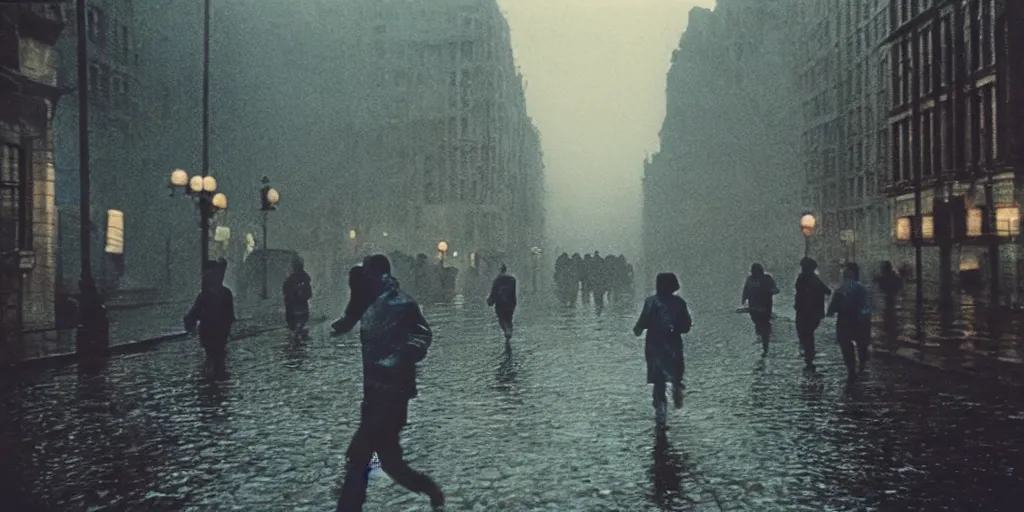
x,y
204,220
268,203
265,255
92,337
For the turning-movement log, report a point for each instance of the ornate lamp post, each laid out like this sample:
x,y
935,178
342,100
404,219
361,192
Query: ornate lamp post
x,y
203,189
268,203
807,226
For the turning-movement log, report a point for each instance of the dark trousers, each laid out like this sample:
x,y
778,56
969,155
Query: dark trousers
x,y
216,346
296,316
380,425
854,346
660,388
805,327
505,320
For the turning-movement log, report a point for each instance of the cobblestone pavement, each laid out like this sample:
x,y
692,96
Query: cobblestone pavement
x,y
564,423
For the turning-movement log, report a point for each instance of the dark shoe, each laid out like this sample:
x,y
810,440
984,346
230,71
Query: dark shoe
x,y
677,397
437,500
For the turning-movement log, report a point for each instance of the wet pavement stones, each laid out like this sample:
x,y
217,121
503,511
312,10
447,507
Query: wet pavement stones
x,y
563,423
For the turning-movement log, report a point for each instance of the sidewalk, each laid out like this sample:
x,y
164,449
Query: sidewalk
x,y
975,342
136,328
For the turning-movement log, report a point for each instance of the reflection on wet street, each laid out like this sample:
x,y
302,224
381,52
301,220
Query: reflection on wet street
x,y
561,422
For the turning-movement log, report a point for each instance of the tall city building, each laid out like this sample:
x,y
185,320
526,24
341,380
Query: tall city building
x,y
843,79
443,148
723,191
114,162
957,136
28,94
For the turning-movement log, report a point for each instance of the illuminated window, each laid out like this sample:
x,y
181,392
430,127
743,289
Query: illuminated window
x,y
974,217
1008,221
927,227
115,232
903,229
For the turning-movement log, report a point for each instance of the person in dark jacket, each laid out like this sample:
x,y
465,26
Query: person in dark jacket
x,y
394,337
666,318
758,293
810,307
214,311
852,303
297,289
890,284
503,298
358,300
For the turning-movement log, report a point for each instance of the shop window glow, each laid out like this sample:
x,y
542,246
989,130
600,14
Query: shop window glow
x,y
974,217
1008,221
903,229
927,227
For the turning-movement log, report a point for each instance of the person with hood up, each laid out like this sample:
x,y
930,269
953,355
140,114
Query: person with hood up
x,y
666,318
758,293
852,304
214,312
395,337
503,299
297,290
810,307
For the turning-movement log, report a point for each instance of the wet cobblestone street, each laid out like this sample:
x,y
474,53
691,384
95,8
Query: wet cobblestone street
x,y
563,423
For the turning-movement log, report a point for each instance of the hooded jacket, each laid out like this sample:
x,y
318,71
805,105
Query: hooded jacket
x,y
394,337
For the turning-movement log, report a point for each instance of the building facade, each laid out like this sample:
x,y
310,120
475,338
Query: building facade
x,y
723,191
28,94
114,166
957,137
844,81
443,148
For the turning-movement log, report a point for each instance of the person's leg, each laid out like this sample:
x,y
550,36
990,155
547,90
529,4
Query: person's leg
x,y
849,357
660,403
389,450
358,456
863,341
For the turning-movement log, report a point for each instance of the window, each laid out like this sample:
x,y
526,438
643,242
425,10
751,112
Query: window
x,y
12,193
926,144
96,27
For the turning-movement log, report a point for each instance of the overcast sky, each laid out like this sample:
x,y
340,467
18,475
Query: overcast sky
x,y
595,73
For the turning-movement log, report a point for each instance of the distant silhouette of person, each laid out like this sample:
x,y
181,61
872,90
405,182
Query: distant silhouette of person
x,y
890,284
810,307
666,318
503,298
214,312
758,292
852,303
297,290
394,337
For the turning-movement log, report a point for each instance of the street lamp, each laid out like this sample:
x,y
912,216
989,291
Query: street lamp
x,y
807,226
442,247
204,191
268,201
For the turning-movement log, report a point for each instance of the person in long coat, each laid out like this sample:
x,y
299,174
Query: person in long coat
x,y
666,318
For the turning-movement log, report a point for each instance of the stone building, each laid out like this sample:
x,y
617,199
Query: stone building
x,y
114,162
956,128
843,79
443,148
723,191
28,94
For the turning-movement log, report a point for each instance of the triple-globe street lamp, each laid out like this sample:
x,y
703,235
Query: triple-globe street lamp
x,y
204,191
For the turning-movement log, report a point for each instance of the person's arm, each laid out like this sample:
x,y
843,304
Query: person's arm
x,y
644,321
746,291
834,306
685,321
775,288
515,293
192,317
230,298
420,335
494,293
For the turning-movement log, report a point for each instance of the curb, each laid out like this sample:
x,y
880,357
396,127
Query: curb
x,y
988,378
59,360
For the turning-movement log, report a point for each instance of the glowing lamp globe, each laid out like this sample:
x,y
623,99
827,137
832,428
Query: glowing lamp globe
x,y
273,197
808,224
196,184
220,201
179,178
209,184
442,246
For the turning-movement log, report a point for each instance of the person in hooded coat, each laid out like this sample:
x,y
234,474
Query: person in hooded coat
x,y
758,293
297,290
503,299
395,337
666,318
810,307
214,312
852,304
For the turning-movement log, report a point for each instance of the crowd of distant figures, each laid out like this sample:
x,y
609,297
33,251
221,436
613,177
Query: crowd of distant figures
x,y
423,278
593,277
